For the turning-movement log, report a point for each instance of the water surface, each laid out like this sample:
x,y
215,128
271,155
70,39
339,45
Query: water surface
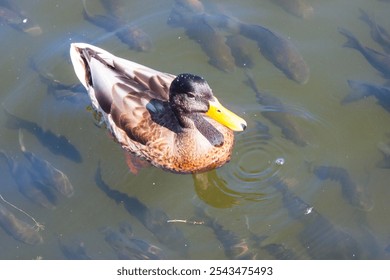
x,y
241,196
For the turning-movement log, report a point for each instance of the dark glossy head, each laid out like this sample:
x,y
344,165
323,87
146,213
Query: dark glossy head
x,y
191,94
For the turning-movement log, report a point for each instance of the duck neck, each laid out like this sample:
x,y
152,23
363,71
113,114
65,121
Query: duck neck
x,y
186,121
198,122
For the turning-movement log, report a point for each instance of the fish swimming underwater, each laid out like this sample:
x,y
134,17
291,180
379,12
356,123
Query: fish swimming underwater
x,y
38,179
74,251
57,144
19,229
278,117
203,27
128,33
212,42
352,192
239,47
385,150
190,15
45,173
361,90
319,236
153,219
114,7
128,247
278,50
183,11
28,185
235,248
379,61
378,32
299,8
174,122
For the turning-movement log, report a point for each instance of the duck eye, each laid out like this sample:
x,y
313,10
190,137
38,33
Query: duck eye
x,y
190,95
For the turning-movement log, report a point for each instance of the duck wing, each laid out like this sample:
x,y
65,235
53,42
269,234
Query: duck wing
x,y
130,96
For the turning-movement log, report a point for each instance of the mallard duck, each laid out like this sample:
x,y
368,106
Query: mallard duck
x,y
174,122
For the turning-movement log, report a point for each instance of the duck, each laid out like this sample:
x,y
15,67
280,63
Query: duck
x,y
173,122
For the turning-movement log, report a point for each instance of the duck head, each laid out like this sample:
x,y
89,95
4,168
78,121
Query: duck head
x,y
190,94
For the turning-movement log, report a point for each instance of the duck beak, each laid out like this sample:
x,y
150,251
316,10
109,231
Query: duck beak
x,y
225,116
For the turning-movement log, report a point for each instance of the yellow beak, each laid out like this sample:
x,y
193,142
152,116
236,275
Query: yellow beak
x,y
225,116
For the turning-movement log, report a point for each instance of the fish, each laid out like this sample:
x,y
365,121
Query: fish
x,y
73,93
129,34
74,251
278,117
208,186
57,144
190,14
299,8
45,173
114,7
183,11
12,15
153,219
278,50
355,194
239,48
361,90
212,42
18,229
378,32
276,250
319,236
379,61
273,46
28,185
235,248
127,247
280,252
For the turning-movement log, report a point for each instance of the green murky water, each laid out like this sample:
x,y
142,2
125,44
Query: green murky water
x,y
241,196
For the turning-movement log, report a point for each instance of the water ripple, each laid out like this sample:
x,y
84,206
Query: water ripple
x,y
257,161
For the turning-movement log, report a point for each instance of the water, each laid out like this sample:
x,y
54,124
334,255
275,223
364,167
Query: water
x,y
241,195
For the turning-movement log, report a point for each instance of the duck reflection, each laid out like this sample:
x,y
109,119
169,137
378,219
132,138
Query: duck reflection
x,y
213,190
74,250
